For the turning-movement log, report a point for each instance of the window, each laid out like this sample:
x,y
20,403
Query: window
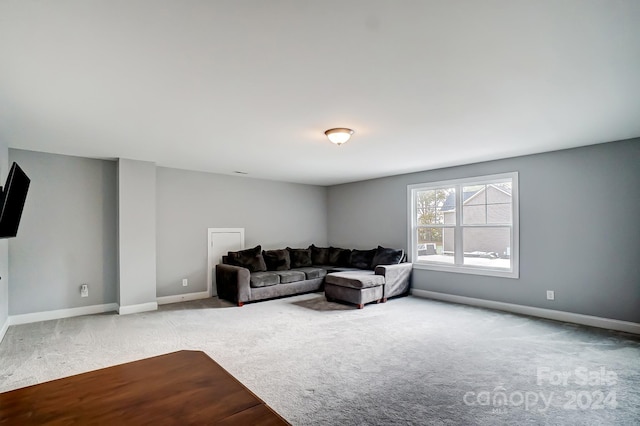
x,y
466,225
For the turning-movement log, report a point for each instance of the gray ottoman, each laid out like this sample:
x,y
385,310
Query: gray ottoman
x,y
357,287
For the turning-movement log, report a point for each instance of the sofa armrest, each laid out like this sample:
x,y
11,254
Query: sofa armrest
x,y
397,278
232,283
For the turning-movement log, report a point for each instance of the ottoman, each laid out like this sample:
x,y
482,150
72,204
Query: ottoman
x,y
357,287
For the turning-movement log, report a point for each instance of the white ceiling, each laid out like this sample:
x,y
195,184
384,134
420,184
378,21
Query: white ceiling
x,y
224,86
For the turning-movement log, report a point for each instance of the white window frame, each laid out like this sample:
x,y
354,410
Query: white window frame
x,y
458,266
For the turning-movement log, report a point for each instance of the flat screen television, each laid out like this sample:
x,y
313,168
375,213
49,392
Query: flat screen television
x,y
12,200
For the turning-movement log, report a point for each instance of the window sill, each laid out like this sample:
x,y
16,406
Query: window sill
x,y
467,270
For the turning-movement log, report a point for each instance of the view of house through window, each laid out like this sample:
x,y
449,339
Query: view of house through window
x,y
466,225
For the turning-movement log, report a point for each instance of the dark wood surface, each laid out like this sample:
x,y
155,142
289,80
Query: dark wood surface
x,y
185,387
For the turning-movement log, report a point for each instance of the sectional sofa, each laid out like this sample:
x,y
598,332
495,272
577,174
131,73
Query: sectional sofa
x,y
355,276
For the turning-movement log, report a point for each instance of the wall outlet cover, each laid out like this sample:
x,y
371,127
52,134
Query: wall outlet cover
x,y
551,295
185,282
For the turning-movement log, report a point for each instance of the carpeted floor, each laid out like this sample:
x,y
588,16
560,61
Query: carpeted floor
x,y
408,361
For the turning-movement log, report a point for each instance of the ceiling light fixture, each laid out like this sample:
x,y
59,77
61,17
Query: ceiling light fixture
x,y
339,135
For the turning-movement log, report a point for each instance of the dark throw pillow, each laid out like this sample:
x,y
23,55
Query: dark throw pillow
x,y
300,258
361,259
277,260
251,259
345,258
339,257
319,255
387,256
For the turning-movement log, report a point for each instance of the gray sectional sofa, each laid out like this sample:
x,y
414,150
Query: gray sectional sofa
x,y
354,276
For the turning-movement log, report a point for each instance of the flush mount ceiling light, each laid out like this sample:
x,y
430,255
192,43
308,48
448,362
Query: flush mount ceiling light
x,y
339,135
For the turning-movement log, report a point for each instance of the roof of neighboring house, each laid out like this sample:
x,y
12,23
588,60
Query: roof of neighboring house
x,y
450,201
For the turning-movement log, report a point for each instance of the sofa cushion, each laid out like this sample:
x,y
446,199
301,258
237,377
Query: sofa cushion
x,y
339,256
263,279
387,256
361,259
290,276
251,259
319,255
359,279
312,273
277,260
300,257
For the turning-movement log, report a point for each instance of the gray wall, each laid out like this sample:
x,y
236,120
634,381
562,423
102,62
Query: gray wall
x,y
4,246
274,214
579,232
584,250
136,233
68,232
67,235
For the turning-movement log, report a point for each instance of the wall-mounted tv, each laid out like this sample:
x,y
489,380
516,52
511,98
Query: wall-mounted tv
x,y
12,200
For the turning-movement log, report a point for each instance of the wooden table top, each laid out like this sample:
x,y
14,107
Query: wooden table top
x,y
185,387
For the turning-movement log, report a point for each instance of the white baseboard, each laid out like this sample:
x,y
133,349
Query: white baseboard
x,y
183,297
97,309
135,309
608,323
3,329
61,313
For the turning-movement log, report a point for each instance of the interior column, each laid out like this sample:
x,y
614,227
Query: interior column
x,y
136,236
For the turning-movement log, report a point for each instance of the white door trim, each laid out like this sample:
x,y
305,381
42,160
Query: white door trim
x,y
210,261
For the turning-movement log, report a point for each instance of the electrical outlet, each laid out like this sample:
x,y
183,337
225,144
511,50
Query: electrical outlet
x,y
84,290
551,295
185,282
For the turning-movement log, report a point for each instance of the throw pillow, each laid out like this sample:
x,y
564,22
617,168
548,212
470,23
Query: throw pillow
x,y
387,256
300,258
319,255
339,257
251,259
361,259
345,258
277,260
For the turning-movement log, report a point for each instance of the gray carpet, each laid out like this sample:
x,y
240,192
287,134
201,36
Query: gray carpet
x,y
408,361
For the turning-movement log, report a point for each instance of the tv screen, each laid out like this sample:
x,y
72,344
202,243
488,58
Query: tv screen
x,y
12,201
